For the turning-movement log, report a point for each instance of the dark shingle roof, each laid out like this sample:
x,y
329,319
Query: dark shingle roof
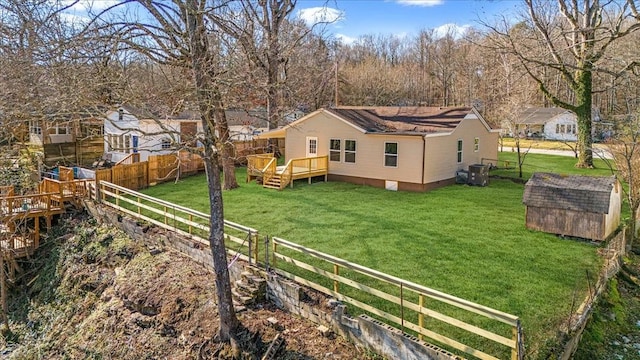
x,y
404,120
579,193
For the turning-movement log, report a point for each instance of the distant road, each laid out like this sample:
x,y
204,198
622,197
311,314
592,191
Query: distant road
x,y
597,153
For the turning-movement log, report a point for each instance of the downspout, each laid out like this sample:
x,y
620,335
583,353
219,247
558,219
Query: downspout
x,y
424,148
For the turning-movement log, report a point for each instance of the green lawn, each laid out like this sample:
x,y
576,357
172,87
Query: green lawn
x,y
470,242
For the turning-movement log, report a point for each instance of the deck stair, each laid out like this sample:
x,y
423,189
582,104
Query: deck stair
x,y
264,166
275,182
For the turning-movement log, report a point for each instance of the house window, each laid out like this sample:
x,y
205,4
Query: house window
x,y
459,151
34,127
476,144
391,154
334,149
166,144
350,151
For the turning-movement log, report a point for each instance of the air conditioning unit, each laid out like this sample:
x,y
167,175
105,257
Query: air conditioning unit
x,y
478,175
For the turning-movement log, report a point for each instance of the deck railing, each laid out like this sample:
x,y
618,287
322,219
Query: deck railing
x,y
269,170
180,219
129,159
256,163
6,191
24,204
66,190
409,299
303,168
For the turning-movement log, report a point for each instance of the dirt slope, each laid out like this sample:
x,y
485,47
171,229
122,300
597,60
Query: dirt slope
x,y
100,295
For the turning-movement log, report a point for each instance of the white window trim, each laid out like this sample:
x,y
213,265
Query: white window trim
x,y
339,151
165,144
349,151
308,146
460,144
384,158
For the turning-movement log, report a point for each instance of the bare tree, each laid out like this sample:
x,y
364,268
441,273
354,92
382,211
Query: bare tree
x,y
257,26
569,40
625,148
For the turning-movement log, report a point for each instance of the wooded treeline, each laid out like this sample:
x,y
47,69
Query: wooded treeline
x,y
54,64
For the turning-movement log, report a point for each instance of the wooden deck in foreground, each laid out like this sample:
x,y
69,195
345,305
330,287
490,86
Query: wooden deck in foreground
x,y
264,166
17,238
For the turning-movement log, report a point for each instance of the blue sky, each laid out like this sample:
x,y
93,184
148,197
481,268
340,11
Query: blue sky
x,y
354,18
400,17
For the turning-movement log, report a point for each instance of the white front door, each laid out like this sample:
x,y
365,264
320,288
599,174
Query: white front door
x,y
312,146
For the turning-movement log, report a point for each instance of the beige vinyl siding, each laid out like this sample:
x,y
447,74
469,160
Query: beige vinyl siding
x,y
369,149
441,160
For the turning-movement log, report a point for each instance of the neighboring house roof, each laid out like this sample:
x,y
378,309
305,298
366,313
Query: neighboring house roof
x,y
401,120
255,118
578,193
140,113
539,116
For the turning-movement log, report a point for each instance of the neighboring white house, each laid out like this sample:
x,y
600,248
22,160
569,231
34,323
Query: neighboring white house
x,y
549,123
245,124
131,130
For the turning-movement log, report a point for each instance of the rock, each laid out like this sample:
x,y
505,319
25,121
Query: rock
x,y
272,321
333,303
626,339
616,343
325,331
154,251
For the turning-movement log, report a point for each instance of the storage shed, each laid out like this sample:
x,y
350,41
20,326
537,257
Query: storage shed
x,y
581,206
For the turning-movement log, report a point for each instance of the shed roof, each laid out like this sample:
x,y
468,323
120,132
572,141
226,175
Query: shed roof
x,y
403,120
578,193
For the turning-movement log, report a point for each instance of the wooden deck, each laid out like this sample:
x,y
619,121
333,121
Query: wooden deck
x,y
278,177
17,238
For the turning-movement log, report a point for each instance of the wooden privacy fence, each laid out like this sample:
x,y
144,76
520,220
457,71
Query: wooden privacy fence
x,y
157,169
180,219
168,167
407,292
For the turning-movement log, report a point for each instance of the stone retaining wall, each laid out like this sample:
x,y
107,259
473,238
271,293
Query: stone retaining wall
x,y
285,294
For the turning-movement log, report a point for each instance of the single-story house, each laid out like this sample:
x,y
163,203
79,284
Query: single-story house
x,y
581,206
245,124
398,148
549,123
128,129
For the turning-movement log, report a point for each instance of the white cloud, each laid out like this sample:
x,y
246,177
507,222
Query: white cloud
x,y
457,31
85,5
424,3
315,15
347,40
73,19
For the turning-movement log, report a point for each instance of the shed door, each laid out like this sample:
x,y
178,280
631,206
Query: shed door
x,y
312,146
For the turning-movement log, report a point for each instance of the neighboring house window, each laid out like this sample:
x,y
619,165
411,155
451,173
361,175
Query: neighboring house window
x,y
391,154
459,151
166,144
350,151
127,144
334,149
34,128
476,144
566,129
62,129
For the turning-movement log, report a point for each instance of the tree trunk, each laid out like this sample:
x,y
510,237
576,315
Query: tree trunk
x,y
228,321
210,104
583,113
226,146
